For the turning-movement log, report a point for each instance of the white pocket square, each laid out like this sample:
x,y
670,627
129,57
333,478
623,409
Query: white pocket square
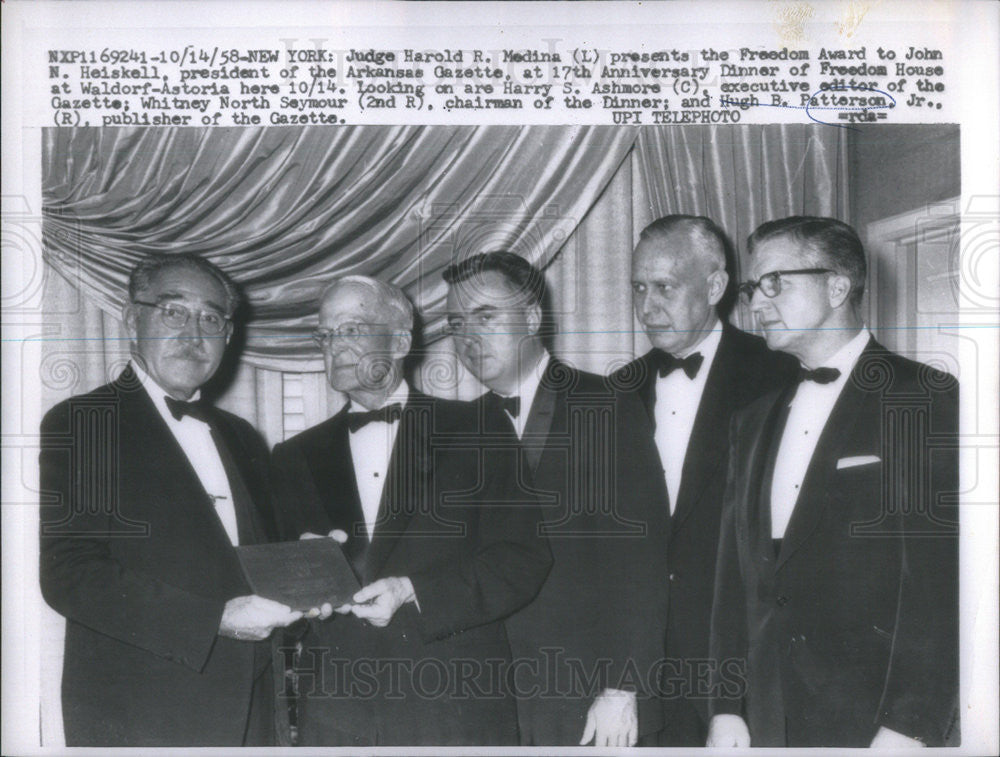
x,y
853,462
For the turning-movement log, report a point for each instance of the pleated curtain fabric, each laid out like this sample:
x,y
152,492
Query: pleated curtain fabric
x,y
286,210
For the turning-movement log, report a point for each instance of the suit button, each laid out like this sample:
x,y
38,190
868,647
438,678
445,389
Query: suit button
x,y
782,600
673,576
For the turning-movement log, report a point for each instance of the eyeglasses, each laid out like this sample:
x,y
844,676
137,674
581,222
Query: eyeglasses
x,y
347,330
770,283
176,316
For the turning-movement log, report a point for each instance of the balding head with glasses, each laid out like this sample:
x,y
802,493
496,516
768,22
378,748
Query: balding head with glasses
x,y
365,332
807,283
179,319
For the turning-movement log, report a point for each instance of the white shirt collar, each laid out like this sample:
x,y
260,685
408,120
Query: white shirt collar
x,y
158,394
527,387
708,346
847,356
400,394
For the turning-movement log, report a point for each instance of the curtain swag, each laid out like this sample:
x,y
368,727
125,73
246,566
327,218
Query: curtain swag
x,y
286,210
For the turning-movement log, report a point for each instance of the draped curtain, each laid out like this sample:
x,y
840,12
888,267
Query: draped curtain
x,y
741,176
285,210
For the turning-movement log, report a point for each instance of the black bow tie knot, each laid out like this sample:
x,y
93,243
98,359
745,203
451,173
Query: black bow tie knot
x,y
179,408
384,414
667,364
510,404
819,375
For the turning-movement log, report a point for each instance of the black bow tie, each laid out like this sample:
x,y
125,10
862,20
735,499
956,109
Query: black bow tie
x,y
179,408
385,414
819,375
667,363
511,404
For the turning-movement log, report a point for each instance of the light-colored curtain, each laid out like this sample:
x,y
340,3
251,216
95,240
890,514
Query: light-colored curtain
x,y
742,176
572,200
284,211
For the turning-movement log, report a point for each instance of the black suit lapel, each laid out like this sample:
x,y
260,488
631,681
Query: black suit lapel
x,y
170,458
645,384
710,434
541,412
236,461
758,492
407,481
332,467
815,492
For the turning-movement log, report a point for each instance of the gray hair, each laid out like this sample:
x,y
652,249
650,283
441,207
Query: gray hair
x,y
392,299
142,275
710,242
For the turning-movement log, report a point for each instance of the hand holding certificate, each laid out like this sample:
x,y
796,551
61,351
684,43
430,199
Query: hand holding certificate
x,y
302,574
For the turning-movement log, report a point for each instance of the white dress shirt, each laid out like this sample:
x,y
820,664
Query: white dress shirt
x,y
810,409
195,439
676,407
371,450
526,390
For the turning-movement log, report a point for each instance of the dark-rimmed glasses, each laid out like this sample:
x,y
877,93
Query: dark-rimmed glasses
x,y
770,283
176,316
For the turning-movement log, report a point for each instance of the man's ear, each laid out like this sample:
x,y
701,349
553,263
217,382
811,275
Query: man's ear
x,y
717,281
533,315
130,318
402,340
838,288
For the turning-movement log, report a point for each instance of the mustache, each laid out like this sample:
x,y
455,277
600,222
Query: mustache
x,y
189,352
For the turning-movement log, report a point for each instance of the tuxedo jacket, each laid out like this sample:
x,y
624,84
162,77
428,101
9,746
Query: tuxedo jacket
x,y
743,370
599,619
136,559
854,625
457,521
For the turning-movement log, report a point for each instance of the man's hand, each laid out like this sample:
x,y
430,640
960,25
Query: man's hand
x,y
727,731
378,601
252,618
886,738
326,610
612,720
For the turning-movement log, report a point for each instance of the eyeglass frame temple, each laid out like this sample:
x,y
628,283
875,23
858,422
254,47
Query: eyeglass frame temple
x,y
226,320
755,285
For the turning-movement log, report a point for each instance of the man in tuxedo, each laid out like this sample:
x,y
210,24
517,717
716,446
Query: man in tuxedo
x,y
589,643
836,604
146,490
443,541
700,370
